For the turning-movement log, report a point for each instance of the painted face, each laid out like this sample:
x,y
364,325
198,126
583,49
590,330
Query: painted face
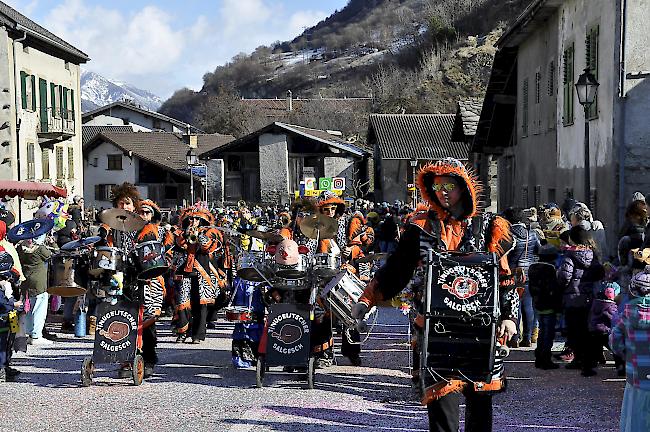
x,y
286,253
126,203
447,191
146,214
329,210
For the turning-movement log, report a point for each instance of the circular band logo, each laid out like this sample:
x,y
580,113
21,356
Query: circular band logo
x,y
287,332
462,282
114,328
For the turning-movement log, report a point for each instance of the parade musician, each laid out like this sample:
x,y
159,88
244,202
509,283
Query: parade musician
x,y
450,222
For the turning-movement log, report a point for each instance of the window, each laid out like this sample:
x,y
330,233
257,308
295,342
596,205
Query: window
x,y
156,124
59,163
568,193
103,192
45,163
125,121
551,195
55,97
550,82
70,162
568,85
591,62
524,114
538,195
31,168
28,91
114,162
524,196
95,162
234,163
67,65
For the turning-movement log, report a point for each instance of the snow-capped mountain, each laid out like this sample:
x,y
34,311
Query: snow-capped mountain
x,y
97,91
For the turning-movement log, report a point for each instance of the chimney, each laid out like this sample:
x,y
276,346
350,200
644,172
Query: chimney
x,y
289,101
190,139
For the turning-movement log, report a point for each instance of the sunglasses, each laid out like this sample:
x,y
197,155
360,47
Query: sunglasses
x,y
443,186
146,212
333,208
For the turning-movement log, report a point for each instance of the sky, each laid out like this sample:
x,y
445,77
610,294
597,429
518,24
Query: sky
x,y
164,45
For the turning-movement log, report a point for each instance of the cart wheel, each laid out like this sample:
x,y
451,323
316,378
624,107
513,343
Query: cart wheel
x,y
311,373
260,370
87,369
137,370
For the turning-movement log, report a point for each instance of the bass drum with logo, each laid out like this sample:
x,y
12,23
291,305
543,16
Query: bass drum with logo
x,y
461,302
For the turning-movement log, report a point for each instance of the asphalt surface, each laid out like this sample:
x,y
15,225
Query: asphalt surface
x,y
195,388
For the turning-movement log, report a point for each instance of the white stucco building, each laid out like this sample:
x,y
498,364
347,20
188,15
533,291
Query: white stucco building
x,y
140,119
40,100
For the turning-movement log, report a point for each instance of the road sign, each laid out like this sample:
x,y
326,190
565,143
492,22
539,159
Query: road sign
x,y
199,170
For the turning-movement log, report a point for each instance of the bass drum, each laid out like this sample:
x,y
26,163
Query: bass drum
x,y
253,267
68,274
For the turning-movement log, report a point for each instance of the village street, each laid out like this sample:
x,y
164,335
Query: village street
x,y
196,388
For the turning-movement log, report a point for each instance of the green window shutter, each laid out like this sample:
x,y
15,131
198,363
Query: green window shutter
x,y
64,102
33,84
23,89
53,98
72,102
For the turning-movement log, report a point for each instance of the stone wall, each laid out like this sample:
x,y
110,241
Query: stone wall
x,y
341,167
215,181
274,168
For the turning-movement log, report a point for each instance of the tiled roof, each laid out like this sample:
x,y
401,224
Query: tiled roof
x,y
120,104
277,108
161,148
415,136
316,135
14,17
89,132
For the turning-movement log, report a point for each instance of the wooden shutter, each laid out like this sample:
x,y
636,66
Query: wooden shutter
x,y
591,52
23,89
524,114
53,99
33,84
45,163
72,103
59,163
70,162
568,85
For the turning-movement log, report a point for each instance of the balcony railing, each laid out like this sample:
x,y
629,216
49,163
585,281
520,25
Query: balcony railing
x,y
51,121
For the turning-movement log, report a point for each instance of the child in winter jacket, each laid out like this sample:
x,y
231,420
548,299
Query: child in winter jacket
x,y
7,305
547,300
603,310
630,338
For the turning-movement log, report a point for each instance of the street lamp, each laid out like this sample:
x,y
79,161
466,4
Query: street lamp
x,y
414,165
587,88
191,161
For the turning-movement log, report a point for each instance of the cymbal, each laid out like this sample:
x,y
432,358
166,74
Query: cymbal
x,y
76,244
228,231
372,257
122,220
319,226
266,236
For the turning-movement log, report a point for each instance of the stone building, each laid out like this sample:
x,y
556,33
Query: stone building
x,y
398,139
268,165
40,99
532,121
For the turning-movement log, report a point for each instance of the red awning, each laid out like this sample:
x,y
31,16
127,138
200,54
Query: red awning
x,y
30,190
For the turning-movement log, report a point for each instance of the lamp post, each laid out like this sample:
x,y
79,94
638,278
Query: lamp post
x,y
414,165
587,88
191,161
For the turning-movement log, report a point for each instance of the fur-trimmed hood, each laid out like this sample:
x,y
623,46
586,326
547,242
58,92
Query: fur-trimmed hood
x,y
206,217
452,168
157,214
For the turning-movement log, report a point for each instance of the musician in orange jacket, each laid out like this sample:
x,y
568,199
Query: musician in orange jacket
x,y
452,222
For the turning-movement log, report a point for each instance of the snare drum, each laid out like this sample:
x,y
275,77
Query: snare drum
x,y
251,264
326,265
106,258
149,259
67,274
293,271
238,314
343,291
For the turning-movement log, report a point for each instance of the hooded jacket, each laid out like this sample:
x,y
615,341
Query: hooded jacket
x,y
576,274
630,338
434,226
602,313
526,246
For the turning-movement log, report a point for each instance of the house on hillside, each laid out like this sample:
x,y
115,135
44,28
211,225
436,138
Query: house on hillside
x,y
123,113
468,113
532,121
40,116
268,165
154,161
278,108
404,142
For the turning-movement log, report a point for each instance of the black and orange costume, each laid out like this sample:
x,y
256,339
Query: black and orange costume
x,y
434,227
200,264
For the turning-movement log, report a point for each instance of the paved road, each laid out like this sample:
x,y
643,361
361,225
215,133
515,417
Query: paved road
x,y
195,388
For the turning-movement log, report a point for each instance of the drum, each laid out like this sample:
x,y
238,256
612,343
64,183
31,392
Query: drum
x,y
149,258
294,271
106,258
294,284
462,304
343,291
238,314
251,264
326,265
67,274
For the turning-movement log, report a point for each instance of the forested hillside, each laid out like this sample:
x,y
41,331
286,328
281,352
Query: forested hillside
x,y
407,55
